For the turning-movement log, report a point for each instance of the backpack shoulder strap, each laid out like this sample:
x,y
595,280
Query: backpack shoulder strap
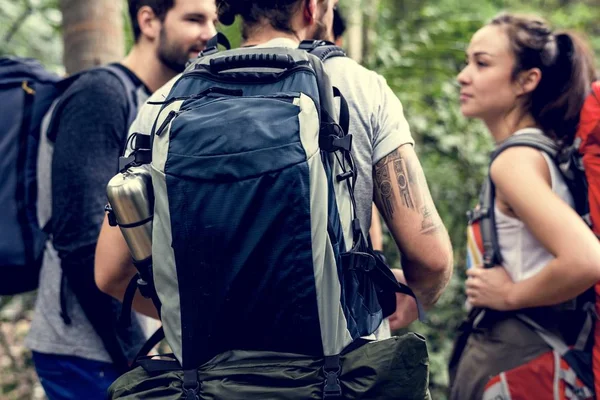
x,y
128,85
323,49
485,212
528,139
130,90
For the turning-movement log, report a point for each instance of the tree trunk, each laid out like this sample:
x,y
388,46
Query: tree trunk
x,y
92,33
370,30
354,35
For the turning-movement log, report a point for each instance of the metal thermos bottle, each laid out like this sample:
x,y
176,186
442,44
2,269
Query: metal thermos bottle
x,y
131,197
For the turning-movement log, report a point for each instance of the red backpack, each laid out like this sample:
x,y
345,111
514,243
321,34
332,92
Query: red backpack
x,y
589,135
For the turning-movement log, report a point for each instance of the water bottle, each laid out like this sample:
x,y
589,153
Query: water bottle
x,y
131,198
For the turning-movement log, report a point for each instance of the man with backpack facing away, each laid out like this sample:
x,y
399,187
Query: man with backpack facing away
x,y
387,168
403,302
78,348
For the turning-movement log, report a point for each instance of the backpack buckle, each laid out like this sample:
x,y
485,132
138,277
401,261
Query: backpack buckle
x,y
332,369
477,214
355,260
333,142
112,218
208,51
191,386
310,45
332,387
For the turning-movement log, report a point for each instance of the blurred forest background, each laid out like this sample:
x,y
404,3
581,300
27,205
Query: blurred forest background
x,y
418,45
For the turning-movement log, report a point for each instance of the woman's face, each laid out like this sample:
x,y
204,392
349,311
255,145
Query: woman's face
x,y
487,88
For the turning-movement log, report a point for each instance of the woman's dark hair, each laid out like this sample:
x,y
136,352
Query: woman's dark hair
x,y
278,13
160,8
567,67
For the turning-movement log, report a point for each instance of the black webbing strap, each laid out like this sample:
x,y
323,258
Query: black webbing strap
x,y
64,314
78,270
154,365
21,193
322,49
363,257
152,341
332,370
191,385
212,46
344,111
125,317
487,222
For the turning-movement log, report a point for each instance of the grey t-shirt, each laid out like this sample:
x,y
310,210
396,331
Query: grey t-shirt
x,y
377,124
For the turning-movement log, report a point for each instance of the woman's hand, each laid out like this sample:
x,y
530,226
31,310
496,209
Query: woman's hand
x,y
489,287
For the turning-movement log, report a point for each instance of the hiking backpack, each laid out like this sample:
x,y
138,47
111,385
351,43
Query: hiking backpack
x,y
254,225
28,91
29,94
567,371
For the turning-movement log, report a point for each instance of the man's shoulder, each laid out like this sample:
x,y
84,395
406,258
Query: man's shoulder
x,y
346,66
355,80
98,82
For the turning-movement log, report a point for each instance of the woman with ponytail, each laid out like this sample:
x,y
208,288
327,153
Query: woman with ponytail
x,y
522,77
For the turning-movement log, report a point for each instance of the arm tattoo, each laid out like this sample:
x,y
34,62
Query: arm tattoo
x,y
386,192
396,170
402,178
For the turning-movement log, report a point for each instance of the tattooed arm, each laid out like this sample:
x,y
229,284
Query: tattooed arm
x,y
403,198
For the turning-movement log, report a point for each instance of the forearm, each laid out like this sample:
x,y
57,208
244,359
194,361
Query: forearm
x,y
556,283
375,231
428,276
114,269
117,286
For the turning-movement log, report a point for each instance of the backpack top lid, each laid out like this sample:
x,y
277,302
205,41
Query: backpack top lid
x,y
589,124
17,69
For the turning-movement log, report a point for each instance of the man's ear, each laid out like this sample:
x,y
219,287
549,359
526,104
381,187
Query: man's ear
x,y
528,81
148,22
310,11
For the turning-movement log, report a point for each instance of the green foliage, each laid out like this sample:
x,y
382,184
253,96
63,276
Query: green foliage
x,y
31,28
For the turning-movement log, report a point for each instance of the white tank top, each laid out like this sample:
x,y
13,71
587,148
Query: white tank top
x,y
523,254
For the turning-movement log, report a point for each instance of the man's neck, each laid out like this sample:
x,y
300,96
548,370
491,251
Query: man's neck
x,y
266,33
145,64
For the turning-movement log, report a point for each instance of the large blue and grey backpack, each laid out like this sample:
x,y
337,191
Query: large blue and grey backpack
x,y
28,93
257,251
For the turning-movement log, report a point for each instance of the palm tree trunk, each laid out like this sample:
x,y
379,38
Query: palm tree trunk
x,y
92,33
354,41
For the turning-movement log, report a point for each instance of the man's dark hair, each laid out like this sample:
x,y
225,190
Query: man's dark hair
x,y
160,8
278,13
339,25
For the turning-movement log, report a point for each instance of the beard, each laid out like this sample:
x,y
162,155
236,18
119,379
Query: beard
x,y
321,32
172,55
